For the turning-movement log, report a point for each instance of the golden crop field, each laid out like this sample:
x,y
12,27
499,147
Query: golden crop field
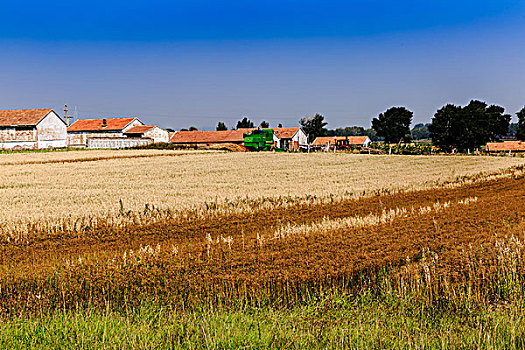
x,y
73,184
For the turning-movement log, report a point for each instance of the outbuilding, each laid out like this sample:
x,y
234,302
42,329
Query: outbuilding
x,y
158,135
328,141
291,139
32,129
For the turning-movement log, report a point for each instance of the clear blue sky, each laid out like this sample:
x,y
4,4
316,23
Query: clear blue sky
x,y
181,63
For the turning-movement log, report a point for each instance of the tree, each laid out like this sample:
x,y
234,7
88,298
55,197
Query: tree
x,y
394,124
420,132
520,133
221,126
193,128
244,123
469,127
313,126
280,125
265,124
444,130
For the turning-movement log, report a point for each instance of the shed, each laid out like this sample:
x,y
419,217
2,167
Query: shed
x,y
32,129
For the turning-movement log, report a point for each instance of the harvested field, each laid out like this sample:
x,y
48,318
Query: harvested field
x,y
95,182
443,251
220,256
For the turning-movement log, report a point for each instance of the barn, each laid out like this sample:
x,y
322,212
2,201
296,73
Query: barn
x,y
32,129
291,139
153,132
82,130
209,137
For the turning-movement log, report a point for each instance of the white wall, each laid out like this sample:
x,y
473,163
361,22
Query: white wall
x,y
301,138
158,135
22,144
51,132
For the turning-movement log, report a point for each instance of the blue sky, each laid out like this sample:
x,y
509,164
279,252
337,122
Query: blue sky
x,y
181,63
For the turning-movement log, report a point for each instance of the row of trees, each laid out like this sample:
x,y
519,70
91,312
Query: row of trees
x,y
452,127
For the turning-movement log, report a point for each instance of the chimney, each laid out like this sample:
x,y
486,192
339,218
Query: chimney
x,y
104,123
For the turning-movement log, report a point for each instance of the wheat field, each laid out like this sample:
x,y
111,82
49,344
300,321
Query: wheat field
x,y
61,185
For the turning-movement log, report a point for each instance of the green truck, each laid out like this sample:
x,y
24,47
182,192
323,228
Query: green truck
x,y
259,140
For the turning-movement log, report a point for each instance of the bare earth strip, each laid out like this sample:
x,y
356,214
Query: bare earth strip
x,y
38,186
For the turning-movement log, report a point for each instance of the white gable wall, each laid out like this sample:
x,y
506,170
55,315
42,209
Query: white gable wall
x,y
134,123
51,132
157,135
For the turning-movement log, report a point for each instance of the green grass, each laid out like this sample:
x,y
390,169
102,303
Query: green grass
x,y
335,322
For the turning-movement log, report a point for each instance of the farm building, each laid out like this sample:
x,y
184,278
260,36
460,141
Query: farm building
x,y
153,132
83,129
506,146
209,137
288,138
32,129
324,142
291,139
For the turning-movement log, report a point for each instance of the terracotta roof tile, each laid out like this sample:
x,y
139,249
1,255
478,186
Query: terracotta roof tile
x,y
353,140
25,117
140,129
506,146
112,124
285,133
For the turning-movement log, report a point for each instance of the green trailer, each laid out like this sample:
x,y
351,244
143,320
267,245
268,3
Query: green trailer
x,y
259,140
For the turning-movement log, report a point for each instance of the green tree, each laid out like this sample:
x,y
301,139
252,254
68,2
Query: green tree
x,y
244,123
394,124
221,126
444,130
313,126
420,132
265,124
469,127
520,133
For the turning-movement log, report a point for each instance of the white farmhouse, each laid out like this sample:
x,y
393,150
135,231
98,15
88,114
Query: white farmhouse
x,y
32,129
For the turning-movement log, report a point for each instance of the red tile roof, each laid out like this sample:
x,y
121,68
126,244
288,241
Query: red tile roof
x,y
506,146
193,137
140,129
352,140
112,124
285,133
25,117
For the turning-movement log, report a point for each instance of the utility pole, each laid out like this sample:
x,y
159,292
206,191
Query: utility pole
x,y
67,118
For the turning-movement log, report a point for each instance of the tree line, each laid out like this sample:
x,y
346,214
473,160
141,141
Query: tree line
x,y
453,127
